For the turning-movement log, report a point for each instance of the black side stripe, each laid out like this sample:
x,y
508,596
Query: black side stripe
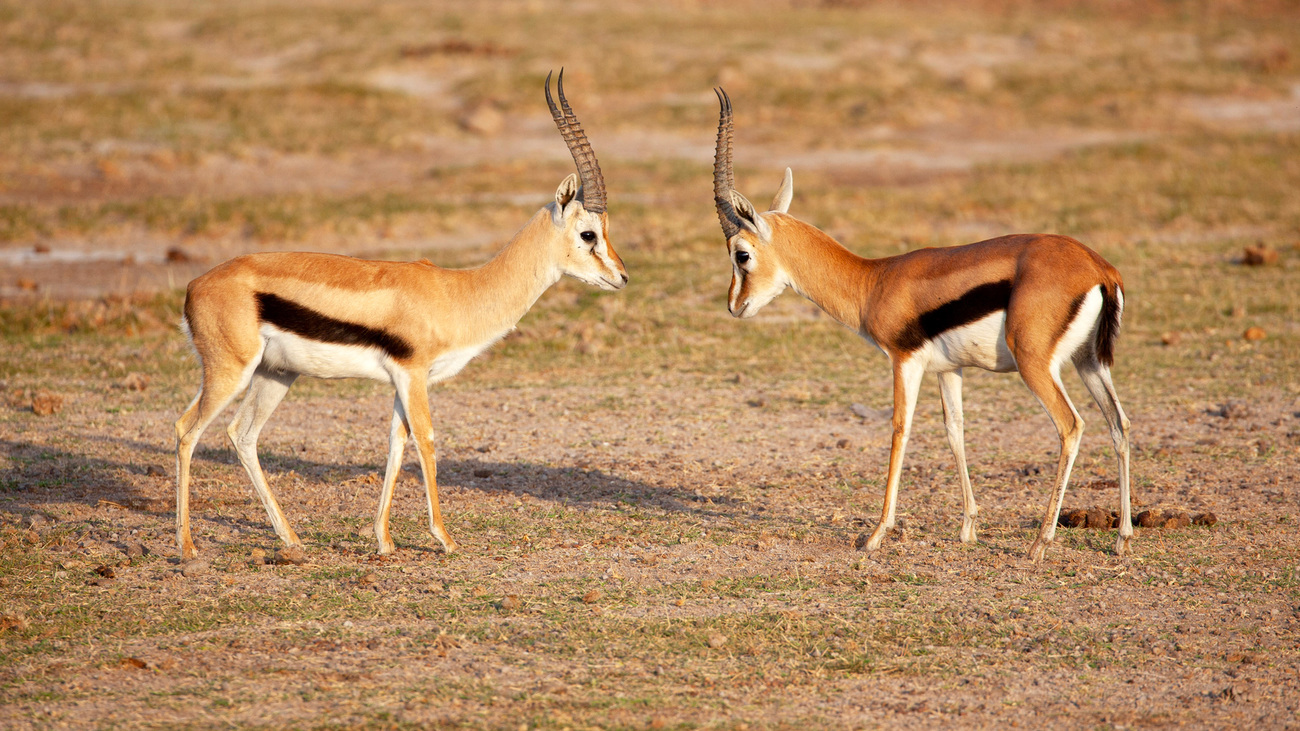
x,y
313,325
976,303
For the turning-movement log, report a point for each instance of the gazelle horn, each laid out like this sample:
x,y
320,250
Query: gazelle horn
x,y
723,180
593,183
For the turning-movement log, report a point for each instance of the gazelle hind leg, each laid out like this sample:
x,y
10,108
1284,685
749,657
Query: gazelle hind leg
x,y
265,392
397,435
220,386
1069,427
1096,378
954,423
907,385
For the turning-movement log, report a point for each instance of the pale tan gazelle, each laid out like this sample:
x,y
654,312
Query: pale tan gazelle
x,y
258,322
1029,303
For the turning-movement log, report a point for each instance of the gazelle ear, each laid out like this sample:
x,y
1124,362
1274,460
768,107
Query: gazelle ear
x,y
749,217
781,203
564,195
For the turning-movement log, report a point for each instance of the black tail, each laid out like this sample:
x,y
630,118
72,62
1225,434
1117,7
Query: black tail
x,y
1108,325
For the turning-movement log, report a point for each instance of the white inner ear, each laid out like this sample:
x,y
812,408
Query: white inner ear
x,y
749,217
564,195
781,203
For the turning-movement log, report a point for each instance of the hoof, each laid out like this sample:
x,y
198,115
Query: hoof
x,y
968,534
1038,550
863,543
1123,547
386,548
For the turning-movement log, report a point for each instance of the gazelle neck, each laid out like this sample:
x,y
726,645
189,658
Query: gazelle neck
x,y
834,278
498,294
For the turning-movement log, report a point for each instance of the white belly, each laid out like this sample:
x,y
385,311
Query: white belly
x,y
290,353
980,344
451,362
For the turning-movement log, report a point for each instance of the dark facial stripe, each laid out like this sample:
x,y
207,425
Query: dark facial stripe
x,y
975,304
312,325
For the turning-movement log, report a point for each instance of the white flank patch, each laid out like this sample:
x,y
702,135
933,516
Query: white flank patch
x,y
290,353
979,344
451,362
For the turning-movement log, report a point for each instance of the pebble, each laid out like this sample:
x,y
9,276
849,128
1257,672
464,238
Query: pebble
x,y
593,596
290,555
195,568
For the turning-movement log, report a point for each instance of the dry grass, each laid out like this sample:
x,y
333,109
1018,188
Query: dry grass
x,y
644,445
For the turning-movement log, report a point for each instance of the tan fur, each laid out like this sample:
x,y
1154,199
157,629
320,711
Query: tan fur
x,y
437,311
881,298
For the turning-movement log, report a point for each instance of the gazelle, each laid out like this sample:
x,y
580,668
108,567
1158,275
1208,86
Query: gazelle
x,y
258,322
1029,303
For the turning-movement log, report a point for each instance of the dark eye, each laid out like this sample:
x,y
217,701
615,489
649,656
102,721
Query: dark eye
x,y
588,236
742,257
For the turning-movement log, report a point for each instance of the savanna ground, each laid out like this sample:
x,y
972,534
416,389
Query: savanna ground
x,y
656,503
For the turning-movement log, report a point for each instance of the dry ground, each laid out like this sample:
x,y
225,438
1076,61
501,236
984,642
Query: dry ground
x,y
657,504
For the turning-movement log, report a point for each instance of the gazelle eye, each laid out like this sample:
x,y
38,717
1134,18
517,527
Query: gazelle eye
x,y
588,236
742,257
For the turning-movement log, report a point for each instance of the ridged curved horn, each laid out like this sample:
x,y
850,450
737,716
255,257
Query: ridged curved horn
x,y
593,183
723,179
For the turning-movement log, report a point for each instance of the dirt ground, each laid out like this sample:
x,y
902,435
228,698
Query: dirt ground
x,y
656,504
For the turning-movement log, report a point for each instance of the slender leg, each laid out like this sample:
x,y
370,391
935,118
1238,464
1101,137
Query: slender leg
x,y
907,385
1069,426
415,402
265,392
950,390
1096,377
397,435
220,386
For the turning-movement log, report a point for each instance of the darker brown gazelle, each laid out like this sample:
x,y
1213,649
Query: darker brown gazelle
x,y
1027,302
257,322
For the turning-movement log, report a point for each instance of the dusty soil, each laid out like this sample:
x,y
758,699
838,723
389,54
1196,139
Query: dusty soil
x,y
656,504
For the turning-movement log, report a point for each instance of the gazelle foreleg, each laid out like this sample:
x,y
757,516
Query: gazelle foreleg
x,y
1096,377
265,392
907,386
1069,427
397,435
953,421
415,402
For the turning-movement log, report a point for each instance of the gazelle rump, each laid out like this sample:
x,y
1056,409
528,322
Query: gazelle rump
x,y
1029,303
257,322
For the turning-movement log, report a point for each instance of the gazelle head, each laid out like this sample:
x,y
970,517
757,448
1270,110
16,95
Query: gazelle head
x,y
578,214
757,272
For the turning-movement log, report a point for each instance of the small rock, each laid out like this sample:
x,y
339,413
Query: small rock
x,y
593,596
978,80
257,557
511,603
1205,519
154,470
861,411
484,120
290,555
12,621
177,255
195,568
1149,518
1254,333
1099,519
1077,518
135,382
482,473
1171,338
366,580
134,662
1232,410
843,444
106,571
1259,255
45,403
717,640
36,521
861,541
134,549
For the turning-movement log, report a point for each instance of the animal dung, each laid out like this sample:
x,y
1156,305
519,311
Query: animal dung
x,y
1259,255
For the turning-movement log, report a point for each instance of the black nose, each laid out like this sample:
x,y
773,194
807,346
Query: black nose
x,y
624,279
